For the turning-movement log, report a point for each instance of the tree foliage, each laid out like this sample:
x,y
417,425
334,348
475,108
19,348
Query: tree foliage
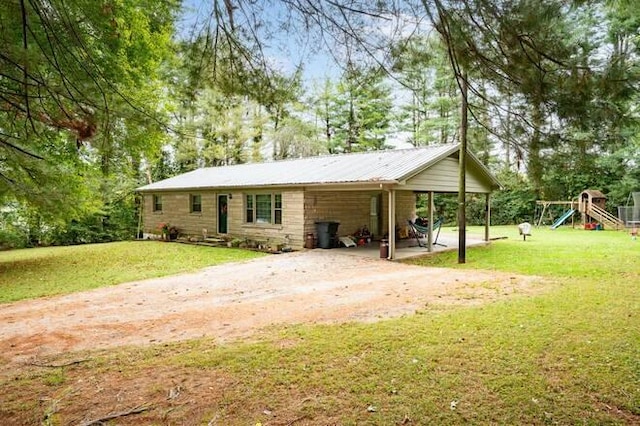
x,y
98,96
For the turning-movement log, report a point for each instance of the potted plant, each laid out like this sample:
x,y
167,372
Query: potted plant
x,y
168,232
164,231
173,232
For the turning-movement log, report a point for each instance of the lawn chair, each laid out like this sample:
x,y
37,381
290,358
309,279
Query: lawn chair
x,y
524,229
424,230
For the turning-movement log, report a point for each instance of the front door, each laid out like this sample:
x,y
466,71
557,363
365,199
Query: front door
x,y
222,214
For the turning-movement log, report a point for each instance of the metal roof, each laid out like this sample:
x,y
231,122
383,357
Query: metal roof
x,y
390,166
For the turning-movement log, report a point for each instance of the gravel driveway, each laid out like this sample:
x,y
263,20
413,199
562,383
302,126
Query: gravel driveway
x,y
235,300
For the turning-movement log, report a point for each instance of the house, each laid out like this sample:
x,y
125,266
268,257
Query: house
x,y
281,201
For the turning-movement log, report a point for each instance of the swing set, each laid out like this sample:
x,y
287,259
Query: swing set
x,y
548,208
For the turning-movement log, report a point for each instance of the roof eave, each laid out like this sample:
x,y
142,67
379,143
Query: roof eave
x,y
367,183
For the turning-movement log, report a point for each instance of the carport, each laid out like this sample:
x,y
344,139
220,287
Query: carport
x,y
440,175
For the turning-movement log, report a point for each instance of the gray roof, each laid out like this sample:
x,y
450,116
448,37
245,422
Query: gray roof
x,y
390,166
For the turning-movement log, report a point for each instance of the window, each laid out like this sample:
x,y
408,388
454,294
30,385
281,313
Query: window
x,y
196,203
277,209
263,208
157,203
249,203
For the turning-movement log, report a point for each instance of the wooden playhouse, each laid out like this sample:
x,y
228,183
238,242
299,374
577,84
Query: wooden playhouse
x,y
591,205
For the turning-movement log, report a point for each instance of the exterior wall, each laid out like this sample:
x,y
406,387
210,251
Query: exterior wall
x,y
443,177
176,211
292,227
405,210
352,210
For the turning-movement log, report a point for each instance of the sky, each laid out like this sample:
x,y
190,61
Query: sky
x,y
287,45
286,50
289,48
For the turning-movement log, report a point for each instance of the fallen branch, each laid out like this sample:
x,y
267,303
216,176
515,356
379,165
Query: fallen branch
x,y
108,417
65,364
296,420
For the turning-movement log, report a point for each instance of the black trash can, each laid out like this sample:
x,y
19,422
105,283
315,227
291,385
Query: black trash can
x,y
384,248
327,234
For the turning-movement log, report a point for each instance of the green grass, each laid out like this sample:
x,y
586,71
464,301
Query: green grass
x,y
563,252
30,273
570,355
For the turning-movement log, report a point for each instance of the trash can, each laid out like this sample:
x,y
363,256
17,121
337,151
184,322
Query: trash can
x,y
310,242
384,248
327,232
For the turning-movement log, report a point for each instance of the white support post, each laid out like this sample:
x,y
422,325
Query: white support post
x,y
487,219
430,232
392,224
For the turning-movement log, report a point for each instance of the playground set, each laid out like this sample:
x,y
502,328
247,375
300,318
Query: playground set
x,y
591,205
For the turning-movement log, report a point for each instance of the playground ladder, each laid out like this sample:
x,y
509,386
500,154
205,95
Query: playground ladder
x,y
604,217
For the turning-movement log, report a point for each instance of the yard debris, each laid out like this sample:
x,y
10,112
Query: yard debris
x,y
113,416
453,405
63,364
174,392
372,409
405,421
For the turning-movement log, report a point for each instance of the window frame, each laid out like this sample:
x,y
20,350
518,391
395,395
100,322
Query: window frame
x,y
192,204
156,201
251,209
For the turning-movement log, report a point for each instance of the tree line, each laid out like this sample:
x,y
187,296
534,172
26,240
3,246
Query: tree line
x,y
101,97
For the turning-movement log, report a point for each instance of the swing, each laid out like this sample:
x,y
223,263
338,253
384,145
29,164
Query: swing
x,y
424,230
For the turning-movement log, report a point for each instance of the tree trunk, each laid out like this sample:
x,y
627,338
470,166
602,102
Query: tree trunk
x,y
534,165
352,123
462,187
507,142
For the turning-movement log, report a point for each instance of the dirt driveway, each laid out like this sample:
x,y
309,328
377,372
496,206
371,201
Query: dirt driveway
x,y
235,300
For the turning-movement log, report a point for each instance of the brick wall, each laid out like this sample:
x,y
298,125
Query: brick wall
x,y
176,211
300,211
352,210
274,234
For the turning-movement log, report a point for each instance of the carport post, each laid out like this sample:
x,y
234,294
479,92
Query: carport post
x,y
392,224
430,232
487,217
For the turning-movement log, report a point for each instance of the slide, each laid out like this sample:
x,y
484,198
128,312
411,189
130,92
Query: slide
x,y
562,218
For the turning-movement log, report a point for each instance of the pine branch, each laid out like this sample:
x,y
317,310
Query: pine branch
x,y
5,142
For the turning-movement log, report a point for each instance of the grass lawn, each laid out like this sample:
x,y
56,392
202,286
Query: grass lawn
x,y
29,273
570,355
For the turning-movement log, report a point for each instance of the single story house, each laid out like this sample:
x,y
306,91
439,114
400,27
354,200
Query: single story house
x,y
280,202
